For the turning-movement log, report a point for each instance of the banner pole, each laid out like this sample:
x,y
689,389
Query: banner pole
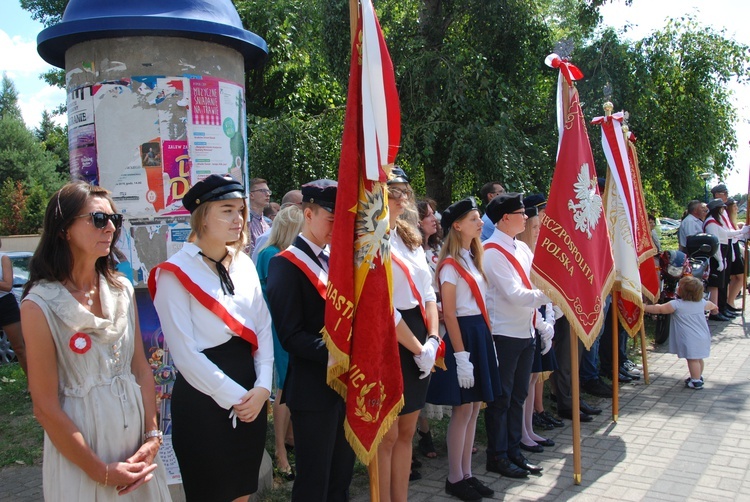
x,y
744,269
644,354
576,406
615,357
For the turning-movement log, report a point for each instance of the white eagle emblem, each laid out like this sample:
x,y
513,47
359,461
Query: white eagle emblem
x,y
588,210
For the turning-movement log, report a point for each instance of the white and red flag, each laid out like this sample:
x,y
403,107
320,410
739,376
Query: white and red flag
x,y
573,262
359,331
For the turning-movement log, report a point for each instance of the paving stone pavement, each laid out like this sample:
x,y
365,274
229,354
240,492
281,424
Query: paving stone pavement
x,y
670,443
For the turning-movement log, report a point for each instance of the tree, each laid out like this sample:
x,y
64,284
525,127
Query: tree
x,y
54,139
674,85
9,100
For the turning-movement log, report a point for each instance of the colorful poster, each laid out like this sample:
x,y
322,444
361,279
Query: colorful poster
x,y
217,129
82,135
176,175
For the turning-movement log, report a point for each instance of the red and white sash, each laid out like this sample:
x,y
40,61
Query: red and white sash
x,y
516,265
205,299
414,290
317,276
473,286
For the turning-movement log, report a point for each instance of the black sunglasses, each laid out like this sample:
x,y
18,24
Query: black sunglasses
x,y
100,219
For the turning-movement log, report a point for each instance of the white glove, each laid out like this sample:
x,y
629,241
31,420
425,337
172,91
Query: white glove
x,y
549,314
547,332
465,370
558,312
424,366
720,268
426,359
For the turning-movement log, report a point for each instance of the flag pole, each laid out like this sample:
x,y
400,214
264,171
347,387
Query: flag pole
x,y
646,378
372,467
576,406
615,355
744,269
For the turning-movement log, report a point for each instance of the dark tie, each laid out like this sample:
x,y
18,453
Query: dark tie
x,y
324,260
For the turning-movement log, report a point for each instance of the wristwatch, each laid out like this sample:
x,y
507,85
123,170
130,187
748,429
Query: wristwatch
x,y
156,433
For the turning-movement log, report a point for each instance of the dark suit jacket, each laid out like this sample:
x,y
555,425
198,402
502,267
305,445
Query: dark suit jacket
x,y
298,313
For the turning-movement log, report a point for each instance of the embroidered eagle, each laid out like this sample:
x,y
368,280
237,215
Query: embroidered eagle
x,y
588,210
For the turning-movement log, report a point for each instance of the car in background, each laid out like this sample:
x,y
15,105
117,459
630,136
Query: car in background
x,y
20,261
668,226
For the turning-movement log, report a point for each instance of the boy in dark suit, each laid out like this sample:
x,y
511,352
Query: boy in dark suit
x,y
297,279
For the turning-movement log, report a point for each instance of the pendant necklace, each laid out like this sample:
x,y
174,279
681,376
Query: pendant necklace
x,y
87,294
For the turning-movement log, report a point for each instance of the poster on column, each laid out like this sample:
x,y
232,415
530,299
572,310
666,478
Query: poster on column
x,y
81,135
217,129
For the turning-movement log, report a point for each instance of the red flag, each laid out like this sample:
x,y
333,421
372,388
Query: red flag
x,y
573,261
359,328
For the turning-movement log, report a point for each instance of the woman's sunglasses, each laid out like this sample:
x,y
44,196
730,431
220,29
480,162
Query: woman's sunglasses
x,y
100,219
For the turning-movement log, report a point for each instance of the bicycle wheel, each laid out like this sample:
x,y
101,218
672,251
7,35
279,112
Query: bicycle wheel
x,y
661,332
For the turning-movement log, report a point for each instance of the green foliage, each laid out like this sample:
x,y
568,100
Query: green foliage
x,y
54,139
23,158
21,437
9,100
673,84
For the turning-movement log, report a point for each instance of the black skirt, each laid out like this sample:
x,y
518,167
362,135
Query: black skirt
x,y
546,362
217,462
415,390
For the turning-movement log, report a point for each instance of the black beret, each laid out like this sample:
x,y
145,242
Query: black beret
x,y
721,187
455,211
503,204
716,203
214,187
534,203
322,193
399,176
730,201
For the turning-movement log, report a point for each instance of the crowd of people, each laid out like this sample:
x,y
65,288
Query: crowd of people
x,y
461,277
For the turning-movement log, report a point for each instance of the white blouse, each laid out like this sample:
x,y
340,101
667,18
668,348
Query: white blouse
x,y
189,327
466,304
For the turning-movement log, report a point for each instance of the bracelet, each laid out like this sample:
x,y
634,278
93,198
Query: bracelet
x,y
106,474
156,433
435,337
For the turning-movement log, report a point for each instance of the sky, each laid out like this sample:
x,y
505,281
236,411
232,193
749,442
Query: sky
x,y
18,57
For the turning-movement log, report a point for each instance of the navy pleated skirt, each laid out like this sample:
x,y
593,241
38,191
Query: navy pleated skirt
x,y
478,342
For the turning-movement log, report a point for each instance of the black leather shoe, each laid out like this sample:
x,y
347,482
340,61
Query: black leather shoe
x,y
632,376
533,449
718,317
546,443
505,467
728,313
569,415
588,409
548,417
521,462
462,490
734,309
540,422
597,388
480,487
623,378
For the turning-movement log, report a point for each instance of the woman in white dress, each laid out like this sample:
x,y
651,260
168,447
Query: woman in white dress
x,y
92,388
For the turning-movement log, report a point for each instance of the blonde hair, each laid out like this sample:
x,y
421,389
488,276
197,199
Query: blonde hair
x,y
286,226
690,289
198,221
452,247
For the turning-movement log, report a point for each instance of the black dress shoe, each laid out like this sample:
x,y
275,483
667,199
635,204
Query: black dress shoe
x,y
462,490
624,378
551,419
596,388
538,421
588,409
521,462
718,317
505,467
632,376
728,313
734,309
533,449
546,443
569,415
480,487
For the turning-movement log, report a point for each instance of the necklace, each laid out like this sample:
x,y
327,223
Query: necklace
x,y
86,294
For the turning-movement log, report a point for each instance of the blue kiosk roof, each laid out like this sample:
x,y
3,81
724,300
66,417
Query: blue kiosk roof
x,y
209,20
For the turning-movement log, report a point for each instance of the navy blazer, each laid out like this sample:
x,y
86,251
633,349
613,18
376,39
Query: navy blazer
x,y
298,313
